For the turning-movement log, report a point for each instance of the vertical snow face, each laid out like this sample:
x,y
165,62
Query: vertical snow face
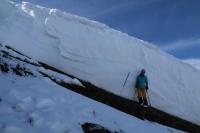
x,y
6,9
93,52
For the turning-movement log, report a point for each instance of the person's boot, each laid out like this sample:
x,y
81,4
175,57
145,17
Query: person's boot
x,y
145,103
140,101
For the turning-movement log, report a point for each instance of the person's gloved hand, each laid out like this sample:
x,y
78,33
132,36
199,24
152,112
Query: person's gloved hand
x,y
146,87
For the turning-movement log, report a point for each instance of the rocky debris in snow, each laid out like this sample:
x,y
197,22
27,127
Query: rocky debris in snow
x,y
4,67
95,128
19,69
22,71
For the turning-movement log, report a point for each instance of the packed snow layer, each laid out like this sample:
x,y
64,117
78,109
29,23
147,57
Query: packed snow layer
x,y
96,53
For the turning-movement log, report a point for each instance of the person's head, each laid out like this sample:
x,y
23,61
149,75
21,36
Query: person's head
x,y
142,71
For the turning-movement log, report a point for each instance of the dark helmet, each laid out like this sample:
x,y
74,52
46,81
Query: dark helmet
x,y
143,71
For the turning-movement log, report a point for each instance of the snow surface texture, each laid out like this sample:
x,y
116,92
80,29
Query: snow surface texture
x,y
96,53
193,62
38,105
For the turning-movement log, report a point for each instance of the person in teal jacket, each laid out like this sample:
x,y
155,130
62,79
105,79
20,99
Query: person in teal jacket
x,y
142,87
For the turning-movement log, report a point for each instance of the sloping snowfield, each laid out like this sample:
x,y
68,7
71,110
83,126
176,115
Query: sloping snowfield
x,y
94,52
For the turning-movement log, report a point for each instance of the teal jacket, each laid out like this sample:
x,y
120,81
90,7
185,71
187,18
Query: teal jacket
x,y
142,82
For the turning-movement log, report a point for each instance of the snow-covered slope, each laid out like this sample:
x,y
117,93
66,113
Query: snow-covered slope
x,y
35,104
96,53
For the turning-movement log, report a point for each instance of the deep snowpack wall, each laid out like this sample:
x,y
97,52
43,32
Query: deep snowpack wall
x,y
94,52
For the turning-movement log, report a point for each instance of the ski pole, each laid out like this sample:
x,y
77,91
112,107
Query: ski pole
x,y
126,78
125,81
148,98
